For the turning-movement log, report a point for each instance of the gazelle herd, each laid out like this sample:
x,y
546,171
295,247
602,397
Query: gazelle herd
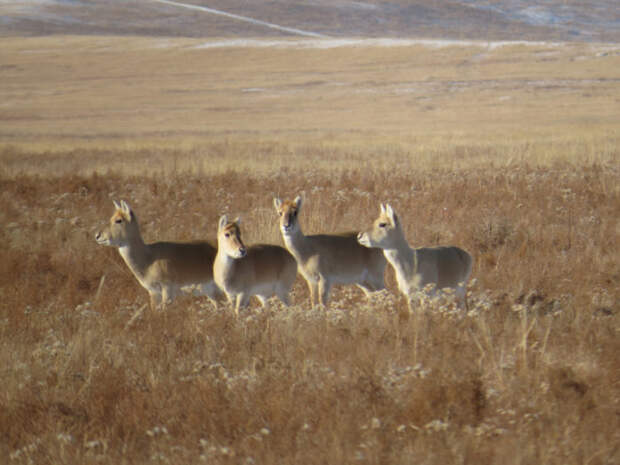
x,y
226,267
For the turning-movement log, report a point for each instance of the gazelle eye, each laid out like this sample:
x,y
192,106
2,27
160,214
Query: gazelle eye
x,y
226,234
382,225
118,221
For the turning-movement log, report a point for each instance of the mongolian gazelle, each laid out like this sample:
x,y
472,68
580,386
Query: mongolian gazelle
x,y
328,259
443,267
162,268
261,269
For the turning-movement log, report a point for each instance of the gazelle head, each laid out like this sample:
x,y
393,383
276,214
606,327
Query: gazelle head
x,y
288,212
122,229
385,230
229,238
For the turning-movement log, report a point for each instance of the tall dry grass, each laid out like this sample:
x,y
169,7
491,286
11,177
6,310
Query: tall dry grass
x,y
528,375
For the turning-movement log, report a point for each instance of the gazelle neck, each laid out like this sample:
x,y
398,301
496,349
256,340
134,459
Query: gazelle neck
x,y
294,239
136,254
223,258
404,261
401,258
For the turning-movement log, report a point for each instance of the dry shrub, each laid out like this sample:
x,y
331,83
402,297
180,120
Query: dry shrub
x,y
492,232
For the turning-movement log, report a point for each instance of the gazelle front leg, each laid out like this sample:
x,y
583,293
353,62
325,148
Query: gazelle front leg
x,y
167,295
262,299
154,299
410,304
232,301
324,287
242,302
314,292
237,304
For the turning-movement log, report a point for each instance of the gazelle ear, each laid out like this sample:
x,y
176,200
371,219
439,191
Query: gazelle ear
x,y
223,222
126,209
237,221
277,203
116,205
391,214
298,201
382,208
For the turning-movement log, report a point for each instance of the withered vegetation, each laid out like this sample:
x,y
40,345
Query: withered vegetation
x,y
528,374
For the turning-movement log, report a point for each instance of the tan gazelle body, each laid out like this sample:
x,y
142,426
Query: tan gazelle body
x,y
445,267
325,260
262,270
164,269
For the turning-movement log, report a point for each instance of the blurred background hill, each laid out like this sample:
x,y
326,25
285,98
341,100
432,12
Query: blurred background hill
x,y
549,20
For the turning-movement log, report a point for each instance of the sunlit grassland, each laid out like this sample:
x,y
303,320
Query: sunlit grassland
x,y
511,153
77,95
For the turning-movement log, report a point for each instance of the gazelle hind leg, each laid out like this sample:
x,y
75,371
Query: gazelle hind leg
x,y
366,288
213,293
243,300
371,284
461,297
377,282
283,294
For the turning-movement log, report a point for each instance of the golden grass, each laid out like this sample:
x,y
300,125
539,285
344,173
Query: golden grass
x,y
75,94
528,375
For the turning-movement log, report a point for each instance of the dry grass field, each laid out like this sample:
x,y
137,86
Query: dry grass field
x,y
509,152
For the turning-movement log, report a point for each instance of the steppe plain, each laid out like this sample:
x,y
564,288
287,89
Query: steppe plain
x,y
507,150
